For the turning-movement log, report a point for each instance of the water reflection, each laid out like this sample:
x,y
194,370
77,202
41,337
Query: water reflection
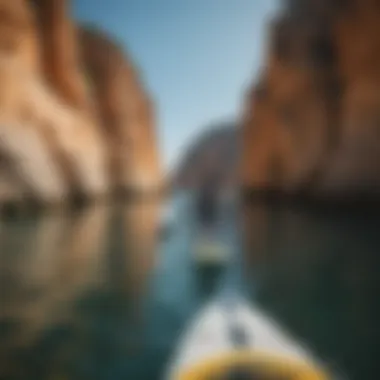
x,y
44,266
317,271
69,285
95,294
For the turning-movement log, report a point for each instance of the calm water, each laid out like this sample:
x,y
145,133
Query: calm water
x,y
101,294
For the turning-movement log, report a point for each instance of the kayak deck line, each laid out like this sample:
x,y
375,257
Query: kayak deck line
x,y
206,348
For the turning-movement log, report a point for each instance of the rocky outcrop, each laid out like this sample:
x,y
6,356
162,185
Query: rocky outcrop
x,y
60,51
311,124
213,155
53,144
125,110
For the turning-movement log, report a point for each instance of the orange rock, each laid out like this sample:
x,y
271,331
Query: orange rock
x,y
19,43
54,150
355,164
28,161
312,124
125,110
53,142
51,149
61,66
286,125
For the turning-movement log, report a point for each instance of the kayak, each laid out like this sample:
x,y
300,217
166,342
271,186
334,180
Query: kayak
x,y
206,351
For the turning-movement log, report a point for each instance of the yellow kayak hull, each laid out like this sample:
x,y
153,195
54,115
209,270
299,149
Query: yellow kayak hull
x,y
268,365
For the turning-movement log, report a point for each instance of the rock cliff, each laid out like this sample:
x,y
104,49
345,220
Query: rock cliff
x,y
213,155
60,51
53,143
311,124
125,110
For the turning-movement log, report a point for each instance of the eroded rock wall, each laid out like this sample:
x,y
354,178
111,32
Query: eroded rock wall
x,y
311,123
58,129
126,111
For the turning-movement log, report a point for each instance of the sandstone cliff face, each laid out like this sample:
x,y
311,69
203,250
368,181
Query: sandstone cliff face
x,y
52,142
311,124
22,146
54,149
213,156
60,51
125,110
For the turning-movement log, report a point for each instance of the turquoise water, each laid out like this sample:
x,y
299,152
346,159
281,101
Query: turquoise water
x,y
104,294
316,270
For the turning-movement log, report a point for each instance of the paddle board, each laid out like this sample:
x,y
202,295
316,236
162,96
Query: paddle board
x,y
210,253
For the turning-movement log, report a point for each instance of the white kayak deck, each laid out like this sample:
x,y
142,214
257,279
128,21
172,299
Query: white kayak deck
x,y
207,337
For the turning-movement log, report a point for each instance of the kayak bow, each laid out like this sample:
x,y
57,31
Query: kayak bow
x,y
208,352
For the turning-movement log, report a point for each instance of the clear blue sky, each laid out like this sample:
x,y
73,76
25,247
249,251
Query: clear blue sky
x,y
196,56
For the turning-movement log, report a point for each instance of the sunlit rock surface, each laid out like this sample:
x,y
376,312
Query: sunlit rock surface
x,y
212,156
60,50
53,143
126,112
311,123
